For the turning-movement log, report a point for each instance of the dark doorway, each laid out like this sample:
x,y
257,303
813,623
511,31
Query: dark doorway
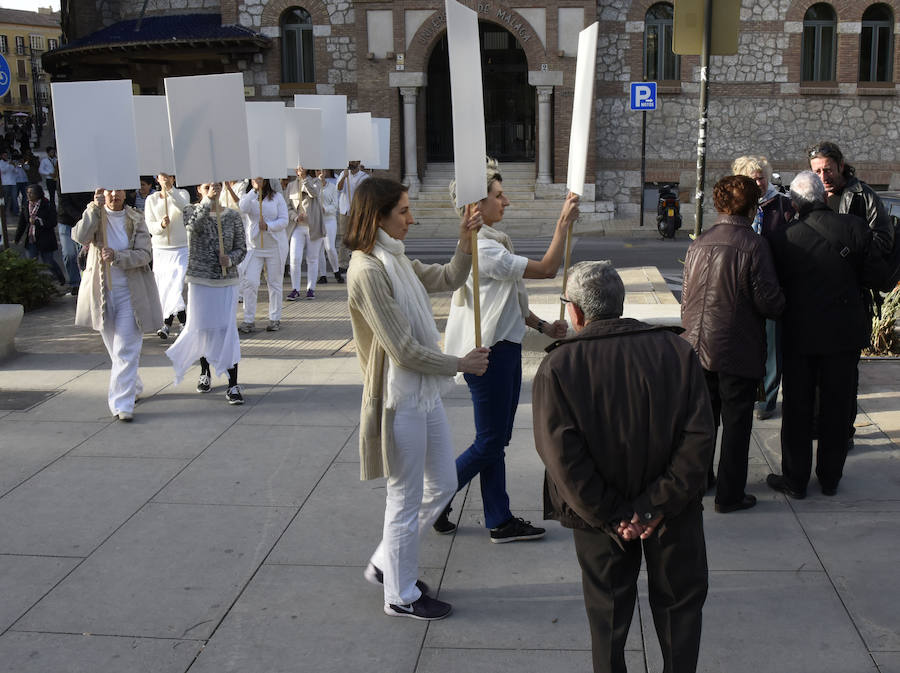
x,y
508,99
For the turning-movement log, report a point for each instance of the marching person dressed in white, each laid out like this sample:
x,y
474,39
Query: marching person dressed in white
x,y
267,245
308,231
118,295
163,214
211,333
329,200
348,182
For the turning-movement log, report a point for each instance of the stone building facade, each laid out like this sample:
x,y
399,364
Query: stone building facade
x,y
389,58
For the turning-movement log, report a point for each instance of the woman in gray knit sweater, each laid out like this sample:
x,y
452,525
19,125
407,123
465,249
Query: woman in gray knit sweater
x,y
404,434
212,278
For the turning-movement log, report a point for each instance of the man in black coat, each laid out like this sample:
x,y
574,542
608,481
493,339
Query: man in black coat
x,y
823,259
623,424
37,225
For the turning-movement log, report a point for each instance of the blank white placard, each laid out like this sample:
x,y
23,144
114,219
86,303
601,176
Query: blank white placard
x,y
154,142
469,146
381,134
579,137
334,127
303,138
208,124
266,130
95,135
360,143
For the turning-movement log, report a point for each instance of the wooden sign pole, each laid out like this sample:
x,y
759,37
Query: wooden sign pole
x,y
166,214
259,194
476,289
103,237
562,304
221,242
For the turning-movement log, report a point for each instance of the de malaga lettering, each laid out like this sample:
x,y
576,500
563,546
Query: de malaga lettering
x,y
438,23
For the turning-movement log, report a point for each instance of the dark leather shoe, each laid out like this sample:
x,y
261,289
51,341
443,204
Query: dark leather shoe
x,y
443,525
746,502
777,483
829,490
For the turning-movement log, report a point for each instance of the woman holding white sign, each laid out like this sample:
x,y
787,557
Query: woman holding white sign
x,y
303,195
404,434
118,295
267,245
504,318
163,213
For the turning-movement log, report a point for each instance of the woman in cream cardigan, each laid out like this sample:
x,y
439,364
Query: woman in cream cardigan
x,y
404,434
118,295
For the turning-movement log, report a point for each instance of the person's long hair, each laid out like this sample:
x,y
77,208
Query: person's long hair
x,y
267,190
374,199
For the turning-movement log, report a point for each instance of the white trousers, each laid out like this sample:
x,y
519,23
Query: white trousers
x,y
421,483
274,281
330,247
123,340
300,240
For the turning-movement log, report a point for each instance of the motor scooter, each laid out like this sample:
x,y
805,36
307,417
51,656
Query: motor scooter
x,y
668,211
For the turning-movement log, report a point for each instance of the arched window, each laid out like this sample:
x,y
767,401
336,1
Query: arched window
x,y
660,62
876,44
819,43
297,46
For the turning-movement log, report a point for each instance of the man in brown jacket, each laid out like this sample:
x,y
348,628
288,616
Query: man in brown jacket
x,y
622,422
730,288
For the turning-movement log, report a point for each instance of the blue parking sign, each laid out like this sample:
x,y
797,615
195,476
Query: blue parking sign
x,y
4,76
643,96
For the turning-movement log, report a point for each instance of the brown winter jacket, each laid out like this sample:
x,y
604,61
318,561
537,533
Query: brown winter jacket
x,y
623,424
730,287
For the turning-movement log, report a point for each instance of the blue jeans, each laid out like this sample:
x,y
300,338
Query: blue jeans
x,y
495,397
47,257
9,195
773,363
69,254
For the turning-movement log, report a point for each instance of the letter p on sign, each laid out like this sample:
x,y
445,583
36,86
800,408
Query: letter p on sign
x,y
643,96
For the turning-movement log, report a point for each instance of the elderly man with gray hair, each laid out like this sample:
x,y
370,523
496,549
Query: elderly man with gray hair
x,y
823,260
623,424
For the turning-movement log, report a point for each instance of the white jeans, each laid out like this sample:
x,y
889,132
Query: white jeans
x,y
299,240
421,483
330,247
274,281
123,340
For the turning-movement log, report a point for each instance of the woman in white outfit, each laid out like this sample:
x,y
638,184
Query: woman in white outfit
x,y
303,197
211,333
163,214
267,245
118,295
329,199
404,433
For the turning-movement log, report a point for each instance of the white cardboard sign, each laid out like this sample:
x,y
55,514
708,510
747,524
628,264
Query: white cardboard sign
x,y
581,108
266,130
154,142
360,143
469,145
95,135
381,135
208,124
303,138
334,126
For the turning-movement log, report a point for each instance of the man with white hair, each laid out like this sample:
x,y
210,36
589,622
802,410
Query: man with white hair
x,y
624,426
823,260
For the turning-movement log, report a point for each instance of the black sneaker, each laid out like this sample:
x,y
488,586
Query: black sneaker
x,y
516,529
374,576
339,275
443,525
203,383
233,395
323,280
426,609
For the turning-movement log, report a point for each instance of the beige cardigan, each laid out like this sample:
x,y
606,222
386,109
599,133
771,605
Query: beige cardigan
x,y
380,328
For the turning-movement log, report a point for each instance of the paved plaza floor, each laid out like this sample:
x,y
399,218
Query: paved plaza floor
x,y
212,539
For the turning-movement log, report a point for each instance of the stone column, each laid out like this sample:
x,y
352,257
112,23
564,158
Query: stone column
x,y
544,81
409,84
544,173
410,148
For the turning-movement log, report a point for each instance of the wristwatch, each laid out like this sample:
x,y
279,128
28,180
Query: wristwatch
x,y
540,326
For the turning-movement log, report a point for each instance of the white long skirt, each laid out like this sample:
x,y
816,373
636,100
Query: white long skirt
x,y
169,267
211,331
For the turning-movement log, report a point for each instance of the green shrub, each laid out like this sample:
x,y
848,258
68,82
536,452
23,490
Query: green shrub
x,y
24,281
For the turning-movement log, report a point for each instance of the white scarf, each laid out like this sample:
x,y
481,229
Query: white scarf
x,y
423,390
464,295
